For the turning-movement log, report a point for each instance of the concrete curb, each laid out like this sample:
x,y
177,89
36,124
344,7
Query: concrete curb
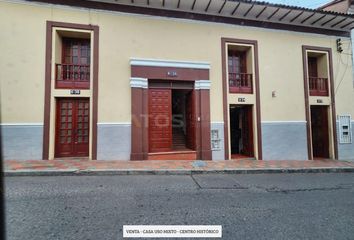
x,y
110,172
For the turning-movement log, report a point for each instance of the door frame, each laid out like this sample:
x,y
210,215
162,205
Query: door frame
x,y
333,142
249,110
197,73
50,93
257,131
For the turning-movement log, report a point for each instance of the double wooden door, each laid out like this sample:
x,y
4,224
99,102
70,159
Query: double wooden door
x,y
72,127
160,120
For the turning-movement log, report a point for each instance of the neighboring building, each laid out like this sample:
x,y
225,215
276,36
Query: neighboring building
x,y
340,6
174,79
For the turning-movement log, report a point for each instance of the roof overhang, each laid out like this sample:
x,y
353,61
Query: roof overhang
x,y
241,12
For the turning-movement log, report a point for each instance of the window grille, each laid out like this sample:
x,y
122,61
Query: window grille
x,y
215,140
345,129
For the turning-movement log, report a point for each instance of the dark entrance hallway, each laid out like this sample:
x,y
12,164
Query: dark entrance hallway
x,y
241,120
320,132
183,126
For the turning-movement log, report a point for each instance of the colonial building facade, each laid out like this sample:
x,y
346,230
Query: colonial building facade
x,y
174,79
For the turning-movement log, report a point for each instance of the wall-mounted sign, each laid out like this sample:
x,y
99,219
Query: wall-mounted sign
x,y
75,92
172,73
241,99
319,101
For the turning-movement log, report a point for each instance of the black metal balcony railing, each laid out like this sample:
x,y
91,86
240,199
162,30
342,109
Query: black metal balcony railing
x,y
318,86
240,83
72,75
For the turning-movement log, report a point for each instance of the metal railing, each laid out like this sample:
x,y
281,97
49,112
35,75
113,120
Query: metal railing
x,y
69,74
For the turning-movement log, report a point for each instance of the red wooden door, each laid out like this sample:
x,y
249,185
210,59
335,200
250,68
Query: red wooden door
x,y
247,135
72,128
190,120
320,133
160,120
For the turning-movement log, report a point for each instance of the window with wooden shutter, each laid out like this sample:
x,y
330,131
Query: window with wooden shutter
x,y
74,71
239,80
318,84
345,129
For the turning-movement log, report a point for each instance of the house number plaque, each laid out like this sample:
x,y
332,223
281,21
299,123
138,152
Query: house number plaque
x,y
75,92
172,73
242,99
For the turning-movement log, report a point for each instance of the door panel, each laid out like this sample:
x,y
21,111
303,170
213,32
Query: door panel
x,y
72,128
320,132
191,120
235,130
247,136
64,128
160,122
82,127
312,67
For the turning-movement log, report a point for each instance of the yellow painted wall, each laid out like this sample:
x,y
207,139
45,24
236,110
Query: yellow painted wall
x,y
123,36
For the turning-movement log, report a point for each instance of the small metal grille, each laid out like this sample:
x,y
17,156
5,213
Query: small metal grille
x,y
345,129
215,139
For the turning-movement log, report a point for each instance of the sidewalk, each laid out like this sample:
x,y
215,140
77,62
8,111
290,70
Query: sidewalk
x,y
87,167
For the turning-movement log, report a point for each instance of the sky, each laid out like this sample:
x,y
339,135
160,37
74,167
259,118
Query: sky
x,y
301,3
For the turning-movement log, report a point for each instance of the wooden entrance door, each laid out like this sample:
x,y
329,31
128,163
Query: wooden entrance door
x,y
320,132
190,120
72,128
241,126
160,120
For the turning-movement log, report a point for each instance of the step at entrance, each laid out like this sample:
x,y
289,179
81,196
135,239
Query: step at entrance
x,y
175,155
178,139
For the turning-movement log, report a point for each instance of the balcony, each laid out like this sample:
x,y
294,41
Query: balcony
x,y
72,76
240,83
318,86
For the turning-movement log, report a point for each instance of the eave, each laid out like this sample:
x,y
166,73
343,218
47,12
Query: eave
x,y
238,12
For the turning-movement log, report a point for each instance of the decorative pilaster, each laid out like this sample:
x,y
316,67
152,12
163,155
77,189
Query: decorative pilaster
x,y
139,108
203,96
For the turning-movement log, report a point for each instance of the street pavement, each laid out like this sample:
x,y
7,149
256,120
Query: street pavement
x,y
248,206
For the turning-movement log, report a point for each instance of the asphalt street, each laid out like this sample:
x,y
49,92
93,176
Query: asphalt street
x,y
250,206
